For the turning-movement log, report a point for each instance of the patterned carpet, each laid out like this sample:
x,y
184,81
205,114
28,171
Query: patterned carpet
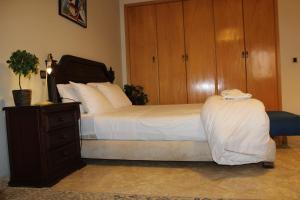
x,y
18,193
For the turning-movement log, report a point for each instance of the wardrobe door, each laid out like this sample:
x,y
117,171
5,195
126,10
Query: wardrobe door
x,y
259,17
231,71
170,37
200,49
142,44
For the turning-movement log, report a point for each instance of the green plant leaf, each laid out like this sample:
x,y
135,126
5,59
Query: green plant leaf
x,y
23,63
136,94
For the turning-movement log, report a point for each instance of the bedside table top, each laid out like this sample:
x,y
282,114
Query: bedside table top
x,y
46,106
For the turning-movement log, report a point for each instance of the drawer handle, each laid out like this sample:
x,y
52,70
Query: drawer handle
x,y
65,153
60,119
64,137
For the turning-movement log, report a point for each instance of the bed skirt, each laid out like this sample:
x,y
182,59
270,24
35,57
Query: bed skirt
x,y
154,150
146,150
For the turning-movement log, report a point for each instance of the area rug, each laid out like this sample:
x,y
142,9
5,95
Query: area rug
x,y
18,193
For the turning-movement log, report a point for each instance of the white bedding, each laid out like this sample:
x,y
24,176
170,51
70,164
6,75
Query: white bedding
x,y
157,123
87,125
237,130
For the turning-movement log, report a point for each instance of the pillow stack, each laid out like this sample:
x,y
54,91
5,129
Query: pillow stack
x,y
96,98
113,93
68,94
93,101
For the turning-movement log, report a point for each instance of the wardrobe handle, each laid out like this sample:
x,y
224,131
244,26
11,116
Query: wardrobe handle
x,y
186,57
246,54
183,57
243,54
153,59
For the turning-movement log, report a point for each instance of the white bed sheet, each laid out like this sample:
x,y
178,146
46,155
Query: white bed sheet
x,y
153,122
87,124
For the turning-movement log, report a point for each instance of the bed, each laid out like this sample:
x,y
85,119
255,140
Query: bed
x,y
162,133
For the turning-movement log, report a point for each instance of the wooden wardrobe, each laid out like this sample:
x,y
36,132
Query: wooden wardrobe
x,y
183,51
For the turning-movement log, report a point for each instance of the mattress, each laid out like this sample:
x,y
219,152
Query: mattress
x,y
149,123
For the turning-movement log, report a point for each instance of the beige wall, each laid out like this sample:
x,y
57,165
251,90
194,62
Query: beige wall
x,y
35,25
289,31
289,17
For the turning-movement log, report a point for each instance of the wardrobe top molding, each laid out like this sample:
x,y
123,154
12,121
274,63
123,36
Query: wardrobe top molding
x,y
144,3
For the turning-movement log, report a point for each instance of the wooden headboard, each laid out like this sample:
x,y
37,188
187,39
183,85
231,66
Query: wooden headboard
x,y
79,70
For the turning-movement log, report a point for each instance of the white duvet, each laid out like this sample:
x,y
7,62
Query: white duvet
x,y
237,130
151,122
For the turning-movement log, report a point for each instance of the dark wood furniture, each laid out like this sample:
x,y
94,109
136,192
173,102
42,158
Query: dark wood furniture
x,y
79,70
43,142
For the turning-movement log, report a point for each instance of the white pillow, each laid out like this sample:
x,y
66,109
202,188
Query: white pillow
x,y
113,93
68,94
93,101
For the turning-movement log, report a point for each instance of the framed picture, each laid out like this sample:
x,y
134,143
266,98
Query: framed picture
x,y
74,10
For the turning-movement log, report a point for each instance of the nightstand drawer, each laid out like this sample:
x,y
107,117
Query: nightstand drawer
x,y
62,157
60,137
59,119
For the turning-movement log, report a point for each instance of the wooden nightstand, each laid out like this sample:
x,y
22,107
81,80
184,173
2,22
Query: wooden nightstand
x,y
43,143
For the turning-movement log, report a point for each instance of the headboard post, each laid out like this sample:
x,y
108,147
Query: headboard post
x,y
79,70
111,75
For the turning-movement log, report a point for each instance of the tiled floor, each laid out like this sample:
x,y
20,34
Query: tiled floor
x,y
193,179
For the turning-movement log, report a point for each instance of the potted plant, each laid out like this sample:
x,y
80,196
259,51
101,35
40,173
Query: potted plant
x,y
136,94
24,64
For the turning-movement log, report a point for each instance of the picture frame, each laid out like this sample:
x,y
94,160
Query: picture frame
x,y
74,10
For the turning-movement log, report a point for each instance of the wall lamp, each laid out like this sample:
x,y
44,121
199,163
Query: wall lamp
x,y
49,62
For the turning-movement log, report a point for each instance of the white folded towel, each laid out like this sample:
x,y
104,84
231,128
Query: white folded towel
x,y
235,94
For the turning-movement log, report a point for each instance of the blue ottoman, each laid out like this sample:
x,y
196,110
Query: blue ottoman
x,y
284,123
